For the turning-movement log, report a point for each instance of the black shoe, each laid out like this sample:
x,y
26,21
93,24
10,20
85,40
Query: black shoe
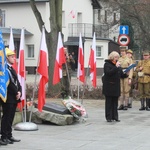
x,y
142,108
109,120
2,143
147,108
117,120
121,107
129,106
14,140
125,108
7,141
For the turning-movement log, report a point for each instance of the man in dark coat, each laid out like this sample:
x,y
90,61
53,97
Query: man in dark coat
x,y
9,107
111,86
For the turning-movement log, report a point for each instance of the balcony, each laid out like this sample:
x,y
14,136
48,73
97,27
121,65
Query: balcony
x,y
87,30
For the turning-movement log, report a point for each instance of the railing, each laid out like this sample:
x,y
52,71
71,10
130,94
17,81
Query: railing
x,y
87,30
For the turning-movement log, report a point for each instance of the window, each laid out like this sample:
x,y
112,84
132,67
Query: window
x,y
2,18
30,53
98,51
63,19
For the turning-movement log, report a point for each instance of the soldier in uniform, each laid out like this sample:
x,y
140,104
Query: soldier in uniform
x,y
130,55
125,62
66,72
143,70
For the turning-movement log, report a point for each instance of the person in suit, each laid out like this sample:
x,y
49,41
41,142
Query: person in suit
x,y
13,97
111,86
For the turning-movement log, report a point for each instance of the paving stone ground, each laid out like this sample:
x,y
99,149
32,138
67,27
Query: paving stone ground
x,y
132,133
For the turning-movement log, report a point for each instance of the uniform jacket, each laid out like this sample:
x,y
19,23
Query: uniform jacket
x,y
111,79
13,86
146,70
125,63
64,70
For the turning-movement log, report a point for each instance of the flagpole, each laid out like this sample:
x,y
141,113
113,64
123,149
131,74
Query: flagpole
x,y
24,126
85,83
33,94
78,90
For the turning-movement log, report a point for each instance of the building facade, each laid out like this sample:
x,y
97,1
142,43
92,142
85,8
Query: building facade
x,y
77,17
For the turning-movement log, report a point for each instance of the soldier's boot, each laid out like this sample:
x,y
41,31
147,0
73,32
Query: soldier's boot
x,y
147,104
130,102
142,104
121,107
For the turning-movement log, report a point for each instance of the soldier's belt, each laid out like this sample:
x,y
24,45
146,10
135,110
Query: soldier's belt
x,y
146,74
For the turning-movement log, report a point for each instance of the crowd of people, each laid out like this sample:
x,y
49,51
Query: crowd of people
x,y
118,84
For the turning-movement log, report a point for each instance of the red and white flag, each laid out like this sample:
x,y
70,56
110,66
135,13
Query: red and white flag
x,y
42,69
92,62
80,72
72,13
22,70
60,60
12,47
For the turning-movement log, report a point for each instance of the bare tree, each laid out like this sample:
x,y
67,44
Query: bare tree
x,y
52,36
138,13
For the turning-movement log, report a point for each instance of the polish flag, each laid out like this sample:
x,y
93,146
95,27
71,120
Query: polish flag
x,y
80,72
22,71
92,62
12,47
72,13
60,60
42,69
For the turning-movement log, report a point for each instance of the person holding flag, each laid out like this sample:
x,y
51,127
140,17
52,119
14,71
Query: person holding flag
x,y
14,91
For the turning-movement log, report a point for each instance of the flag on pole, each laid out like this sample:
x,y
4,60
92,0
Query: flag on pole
x,y
72,13
80,72
4,77
60,60
42,69
12,47
22,70
92,62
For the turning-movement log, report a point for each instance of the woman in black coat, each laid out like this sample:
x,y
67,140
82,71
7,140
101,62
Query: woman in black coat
x,y
111,86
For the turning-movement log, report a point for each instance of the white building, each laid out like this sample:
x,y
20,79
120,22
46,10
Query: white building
x,y
77,16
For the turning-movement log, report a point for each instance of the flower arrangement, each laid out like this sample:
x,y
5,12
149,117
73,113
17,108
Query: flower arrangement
x,y
75,108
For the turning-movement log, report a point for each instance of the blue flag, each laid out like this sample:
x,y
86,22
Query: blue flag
x,y
4,78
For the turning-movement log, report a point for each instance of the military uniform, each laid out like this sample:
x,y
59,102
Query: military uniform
x,y
125,87
66,72
134,79
143,82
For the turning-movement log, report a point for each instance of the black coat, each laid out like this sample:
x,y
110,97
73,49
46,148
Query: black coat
x,y
111,79
13,87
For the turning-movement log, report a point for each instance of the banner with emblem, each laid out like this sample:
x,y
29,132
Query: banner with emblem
x,y
4,78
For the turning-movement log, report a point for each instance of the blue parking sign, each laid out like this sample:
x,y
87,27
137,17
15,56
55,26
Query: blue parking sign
x,y
124,29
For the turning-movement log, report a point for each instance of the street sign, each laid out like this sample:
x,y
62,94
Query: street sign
x,y
124,29
123,40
